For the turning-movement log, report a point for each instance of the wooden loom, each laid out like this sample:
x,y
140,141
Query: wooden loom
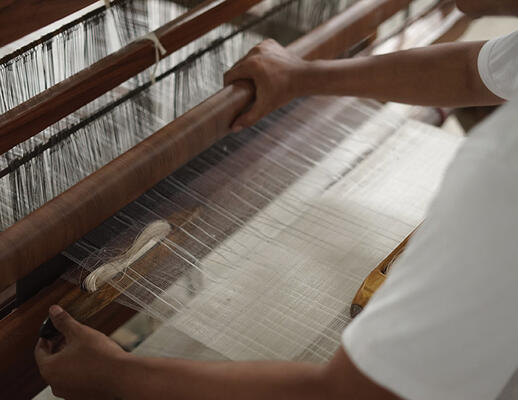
x,y
24,246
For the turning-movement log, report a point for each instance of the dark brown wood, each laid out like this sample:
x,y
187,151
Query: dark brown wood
x,y
65,219
7,301
21,17
19,376
48,107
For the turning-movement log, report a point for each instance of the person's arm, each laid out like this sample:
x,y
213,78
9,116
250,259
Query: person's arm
x,y
440,75
90,365
256,380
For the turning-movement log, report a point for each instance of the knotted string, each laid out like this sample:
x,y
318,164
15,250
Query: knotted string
x,y
159,50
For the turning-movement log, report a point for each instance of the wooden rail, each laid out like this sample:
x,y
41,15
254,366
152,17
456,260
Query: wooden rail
x,y
49,106
65,219
21,17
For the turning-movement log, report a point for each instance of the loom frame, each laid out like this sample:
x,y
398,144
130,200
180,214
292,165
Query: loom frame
x,y
69,216
19,376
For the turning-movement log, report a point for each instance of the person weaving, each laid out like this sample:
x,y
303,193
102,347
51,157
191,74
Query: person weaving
x,y
444,324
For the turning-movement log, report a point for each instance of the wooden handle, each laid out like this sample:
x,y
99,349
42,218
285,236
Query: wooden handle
x,y
48,107
69,216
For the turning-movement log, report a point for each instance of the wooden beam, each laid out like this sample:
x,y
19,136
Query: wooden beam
x,y
21,17
48,107
66,218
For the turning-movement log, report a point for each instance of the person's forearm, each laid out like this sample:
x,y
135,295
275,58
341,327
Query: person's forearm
x,y
161,378
442,75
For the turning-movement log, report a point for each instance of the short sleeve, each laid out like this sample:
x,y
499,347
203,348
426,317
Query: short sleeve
x,y
498,66
444,325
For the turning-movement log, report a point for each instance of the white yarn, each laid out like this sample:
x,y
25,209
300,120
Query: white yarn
x,y
159,50
146,240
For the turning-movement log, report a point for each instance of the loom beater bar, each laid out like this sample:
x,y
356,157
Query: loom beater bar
x,y
31,117
66,218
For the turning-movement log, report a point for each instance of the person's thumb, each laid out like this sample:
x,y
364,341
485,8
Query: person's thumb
x,y
248,118
63,322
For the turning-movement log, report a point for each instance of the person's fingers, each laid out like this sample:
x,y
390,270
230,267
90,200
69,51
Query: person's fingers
x,y
255,50
248,118
265,45
58,344
42,351
236,73
63,322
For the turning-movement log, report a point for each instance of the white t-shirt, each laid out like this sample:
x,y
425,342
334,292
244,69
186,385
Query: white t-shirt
x,y
498,66
445,323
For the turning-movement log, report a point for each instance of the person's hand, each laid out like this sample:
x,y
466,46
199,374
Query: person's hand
x,y
81,366
278,77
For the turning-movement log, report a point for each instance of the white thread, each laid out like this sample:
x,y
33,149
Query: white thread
x,y
145,241
159,50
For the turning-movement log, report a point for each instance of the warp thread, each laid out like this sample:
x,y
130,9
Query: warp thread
x,y
225,45
153,234
159,51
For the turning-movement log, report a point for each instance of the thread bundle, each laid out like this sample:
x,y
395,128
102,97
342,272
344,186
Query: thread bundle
x,y
153,234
